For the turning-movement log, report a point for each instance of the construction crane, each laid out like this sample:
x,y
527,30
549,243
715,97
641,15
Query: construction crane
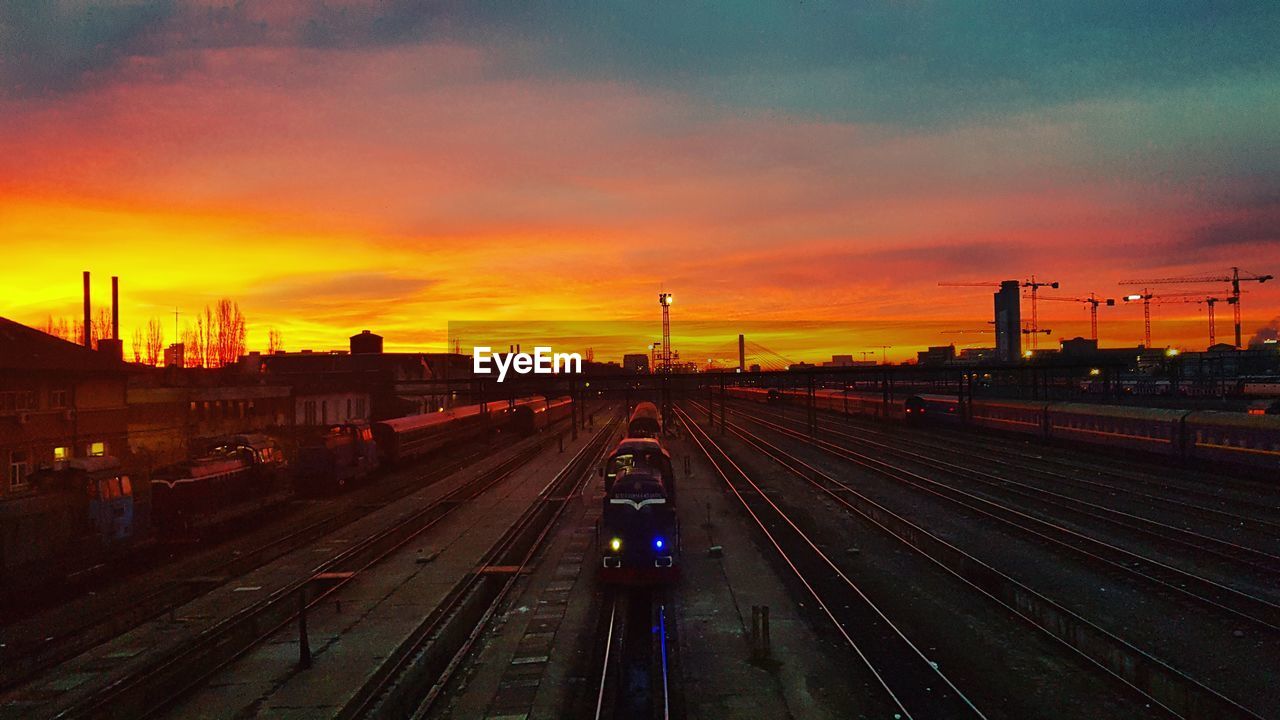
x,y
1208,302
1235,278
1093,301
1032,284
1146,296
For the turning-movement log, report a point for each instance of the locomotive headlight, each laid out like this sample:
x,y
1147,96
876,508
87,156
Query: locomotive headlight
x,y
615,544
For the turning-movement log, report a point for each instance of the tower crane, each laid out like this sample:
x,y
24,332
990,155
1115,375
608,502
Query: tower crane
x,y
1235,278
1032,284
1146,296
1209,302
1093,301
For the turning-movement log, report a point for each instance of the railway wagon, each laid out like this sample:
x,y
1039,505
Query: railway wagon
x,y
413,436
207,490
1234,438
533,414
639,532
1148,429
645,421
1018,416
342,454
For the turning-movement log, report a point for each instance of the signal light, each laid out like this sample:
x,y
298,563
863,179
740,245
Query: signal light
x,y
657,543
615,544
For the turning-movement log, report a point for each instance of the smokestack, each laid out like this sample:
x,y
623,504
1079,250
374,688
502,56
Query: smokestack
x,y
115,307
88,321
742,354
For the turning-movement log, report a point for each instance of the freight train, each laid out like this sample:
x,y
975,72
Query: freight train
x,y
1238,439
639,532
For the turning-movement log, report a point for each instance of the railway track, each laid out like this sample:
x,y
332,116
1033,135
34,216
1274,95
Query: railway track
x,y
1172,488
636,680
24,657
1156,680
1243,606
168,675
1259,566
418,672
911,683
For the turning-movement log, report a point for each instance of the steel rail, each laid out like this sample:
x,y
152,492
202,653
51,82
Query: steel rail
x,y
1254,610
913,671
1155,679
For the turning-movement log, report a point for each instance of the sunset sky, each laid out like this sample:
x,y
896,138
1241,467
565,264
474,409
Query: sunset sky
x,y
396,166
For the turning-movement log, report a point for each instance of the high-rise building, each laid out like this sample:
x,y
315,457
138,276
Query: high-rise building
x,y
1009,322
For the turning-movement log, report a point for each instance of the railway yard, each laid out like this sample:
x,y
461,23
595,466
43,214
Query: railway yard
x,y
829,566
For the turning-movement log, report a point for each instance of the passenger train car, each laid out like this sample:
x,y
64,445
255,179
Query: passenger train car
x,y
1239,439
413,436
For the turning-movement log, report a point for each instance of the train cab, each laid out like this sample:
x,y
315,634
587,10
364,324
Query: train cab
x,y
639,453
110,513
639,532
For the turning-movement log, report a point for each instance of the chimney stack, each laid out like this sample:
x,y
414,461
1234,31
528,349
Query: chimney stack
x,y
88,319
115,307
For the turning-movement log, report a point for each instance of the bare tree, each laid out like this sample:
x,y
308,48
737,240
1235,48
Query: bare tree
x,y
229,332
193,339
59,328
101,326
275,342
137,345
155,341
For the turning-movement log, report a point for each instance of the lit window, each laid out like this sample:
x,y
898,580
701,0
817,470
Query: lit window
x,y
61,455
97,449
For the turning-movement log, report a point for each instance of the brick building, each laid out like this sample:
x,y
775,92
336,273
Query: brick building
x,y
58,400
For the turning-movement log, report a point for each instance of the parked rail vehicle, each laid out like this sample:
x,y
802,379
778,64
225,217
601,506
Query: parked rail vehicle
x,y
413,436
646,453
328,461
645,421
639,532
83,513
237,475
1239,439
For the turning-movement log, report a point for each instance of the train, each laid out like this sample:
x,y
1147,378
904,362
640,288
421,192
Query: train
x,y
1215,437
89,509
639,531
413,436
242,472
645,421
328,461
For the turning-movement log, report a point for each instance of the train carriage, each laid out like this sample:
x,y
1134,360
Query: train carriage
x,y
645,421
1018,416
1234,438
1148,429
